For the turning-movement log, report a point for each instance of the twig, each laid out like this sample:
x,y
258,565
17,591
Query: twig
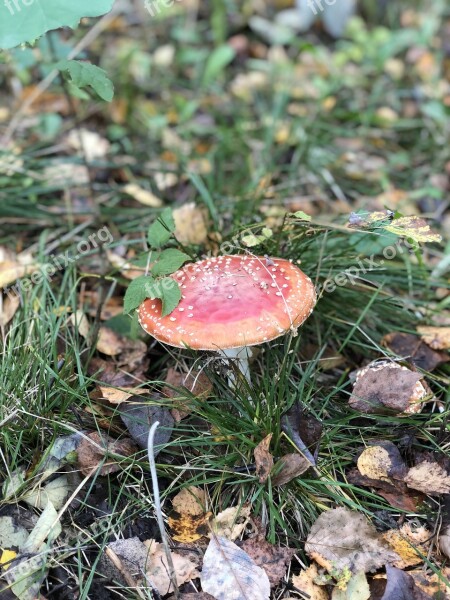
x,y
157,501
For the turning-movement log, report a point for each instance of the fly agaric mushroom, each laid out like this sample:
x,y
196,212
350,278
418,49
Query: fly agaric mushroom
x,y
229,303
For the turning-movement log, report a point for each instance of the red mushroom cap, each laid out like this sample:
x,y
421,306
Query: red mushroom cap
x,y
232,301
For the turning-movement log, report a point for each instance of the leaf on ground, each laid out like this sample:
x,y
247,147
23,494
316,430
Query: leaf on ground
x,y
228,573
138,418
304,582
126,267
438,338
55,491
411,347
414,228
231,522
26,574
273,559
113,374
15,266
341,538
197,384
114,395
142,195
357,589
263,458
433,584
428,477
158,573
289,467
191,224
189,522
88,144
410,544
383,461
303,429
8,308
12,533
400,586
384,387
93,449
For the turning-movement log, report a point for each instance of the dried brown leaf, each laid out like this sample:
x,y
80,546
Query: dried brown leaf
x,y
437,338
263,458
428,477
93,449
291,466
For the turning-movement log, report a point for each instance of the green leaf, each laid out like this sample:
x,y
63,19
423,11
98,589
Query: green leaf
x,y
83,74
136,293
161,230
168,290
169,261
301,215
217,61
20,22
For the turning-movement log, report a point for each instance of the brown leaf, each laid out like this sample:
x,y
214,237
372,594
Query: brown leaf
x,y
341,538
156,567
433,584
399,586
384,387
303,429
93,449
395,492
110,374
114,395
263,459
8,308
291,466
428,477
273,559
411,347
305,583
197,384
190,501
437,338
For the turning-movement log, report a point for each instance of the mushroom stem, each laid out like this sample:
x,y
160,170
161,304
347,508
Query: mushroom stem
x,y
240,356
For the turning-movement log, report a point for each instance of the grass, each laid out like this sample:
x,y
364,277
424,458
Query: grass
x,y
275,148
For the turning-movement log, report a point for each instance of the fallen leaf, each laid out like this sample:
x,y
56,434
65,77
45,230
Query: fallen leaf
x,y
263,459
303,429
55,491
410,544
385,387
414,228
401,586
197,384
437,338
435,585
138,418
305,583
185,567
112,374
191,224
88,143
231,522
341,538
93,449
290,466
429,478
190,520
127,269
8,308
114,395
411,347
6,557
228,573
142,195
12,533
13,267
357,589
273,559
383,461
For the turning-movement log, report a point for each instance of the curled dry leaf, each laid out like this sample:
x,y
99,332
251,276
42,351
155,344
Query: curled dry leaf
x,y
410,544
344,539
263,459
92,451
114,395
190,520
191,224
384,387
304,582
437,338
428,477
228,573
411,347
231,522
157,571
290,466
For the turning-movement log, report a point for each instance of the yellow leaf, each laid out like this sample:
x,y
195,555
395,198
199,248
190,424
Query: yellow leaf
x,y
142,195
6,557
415,228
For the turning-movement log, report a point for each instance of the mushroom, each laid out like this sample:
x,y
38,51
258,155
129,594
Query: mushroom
x,y
229,303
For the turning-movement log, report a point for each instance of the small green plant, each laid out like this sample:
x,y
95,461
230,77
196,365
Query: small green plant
x,y
160,263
